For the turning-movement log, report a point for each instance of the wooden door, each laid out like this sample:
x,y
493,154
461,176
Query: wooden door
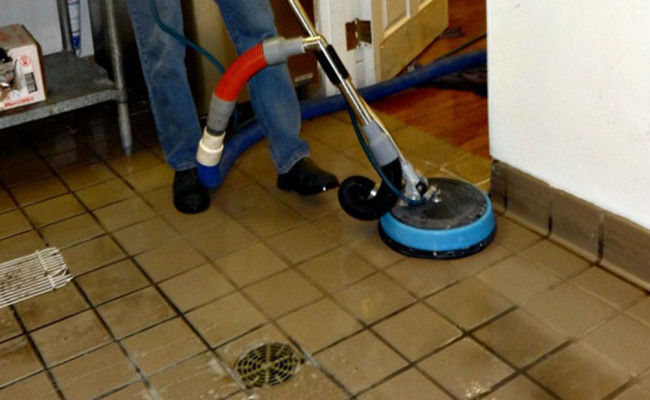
x,y
402,29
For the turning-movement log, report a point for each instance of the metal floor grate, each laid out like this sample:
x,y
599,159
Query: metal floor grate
x,y
268,364
32,275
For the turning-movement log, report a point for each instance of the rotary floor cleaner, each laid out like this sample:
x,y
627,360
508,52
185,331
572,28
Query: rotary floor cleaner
x,y
423,217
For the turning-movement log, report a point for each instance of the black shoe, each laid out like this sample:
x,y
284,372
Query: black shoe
x,y
307,178
190,196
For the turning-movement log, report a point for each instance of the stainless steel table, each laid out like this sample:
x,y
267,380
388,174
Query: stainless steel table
x,y
74,83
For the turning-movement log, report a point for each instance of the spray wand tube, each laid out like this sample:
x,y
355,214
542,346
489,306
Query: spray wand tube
x,y
358,195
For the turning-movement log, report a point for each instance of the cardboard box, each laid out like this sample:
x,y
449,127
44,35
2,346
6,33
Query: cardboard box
x,y
28,85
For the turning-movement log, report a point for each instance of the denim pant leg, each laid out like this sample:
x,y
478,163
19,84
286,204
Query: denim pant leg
x,y
273,96
163,65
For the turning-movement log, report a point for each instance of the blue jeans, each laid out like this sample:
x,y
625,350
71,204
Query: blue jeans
x,y
273,96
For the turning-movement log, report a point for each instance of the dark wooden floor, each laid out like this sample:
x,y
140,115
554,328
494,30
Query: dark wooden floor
x,y
460,118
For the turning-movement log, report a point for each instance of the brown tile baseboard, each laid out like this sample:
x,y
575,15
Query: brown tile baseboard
x,y
626,249
576,224
498,186
529,201
615,243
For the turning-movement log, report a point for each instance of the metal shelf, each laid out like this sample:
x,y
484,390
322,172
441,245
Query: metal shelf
x,y
73,83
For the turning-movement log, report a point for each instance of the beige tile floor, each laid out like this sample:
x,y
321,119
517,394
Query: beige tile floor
x,y
163,304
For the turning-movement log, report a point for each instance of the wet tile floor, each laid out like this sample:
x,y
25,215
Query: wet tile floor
x,y
163,304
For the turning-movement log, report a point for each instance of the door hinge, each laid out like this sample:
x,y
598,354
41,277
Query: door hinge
x,y
358,32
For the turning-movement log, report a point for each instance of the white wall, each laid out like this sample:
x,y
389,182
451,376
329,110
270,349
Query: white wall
x,y
569,98
41,20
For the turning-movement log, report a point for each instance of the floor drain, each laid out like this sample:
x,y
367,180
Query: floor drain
x,y
268,364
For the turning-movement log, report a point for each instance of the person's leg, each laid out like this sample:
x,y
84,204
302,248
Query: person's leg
x,y
273,96
274,99
163,65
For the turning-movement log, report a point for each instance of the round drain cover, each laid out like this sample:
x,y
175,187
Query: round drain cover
x,y
268,364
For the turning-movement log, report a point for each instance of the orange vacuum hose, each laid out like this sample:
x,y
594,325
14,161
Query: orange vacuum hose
x,y
247,65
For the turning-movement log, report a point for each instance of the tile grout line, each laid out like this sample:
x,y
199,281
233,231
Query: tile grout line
x,y
273,321
125,353
469,333
34,348
601,239
18,317
368,327
190,326
270,320
629,384
144,379
131,257
114,340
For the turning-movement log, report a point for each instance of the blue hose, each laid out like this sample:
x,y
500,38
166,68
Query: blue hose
x,y
213,177
314,108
